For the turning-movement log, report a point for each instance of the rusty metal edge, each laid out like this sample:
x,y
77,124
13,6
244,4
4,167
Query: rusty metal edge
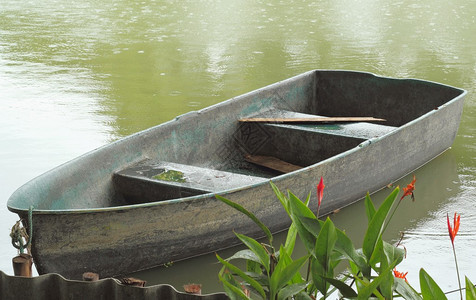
x,y
55,286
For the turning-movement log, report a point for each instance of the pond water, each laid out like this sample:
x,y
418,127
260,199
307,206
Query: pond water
x,y
75,75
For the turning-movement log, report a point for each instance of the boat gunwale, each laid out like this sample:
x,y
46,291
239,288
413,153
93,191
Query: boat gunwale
x,y
365,143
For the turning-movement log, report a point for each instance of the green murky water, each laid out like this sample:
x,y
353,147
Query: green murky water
x,y
75,75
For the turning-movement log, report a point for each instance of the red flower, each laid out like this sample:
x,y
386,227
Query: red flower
x,y
409,189
453,231
400,274
320,193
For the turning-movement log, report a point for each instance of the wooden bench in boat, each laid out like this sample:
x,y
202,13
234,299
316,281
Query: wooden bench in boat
x,y
271,162
150,181
356,127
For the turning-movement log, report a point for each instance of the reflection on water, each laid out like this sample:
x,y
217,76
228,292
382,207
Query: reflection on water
x,y
153,59
76,75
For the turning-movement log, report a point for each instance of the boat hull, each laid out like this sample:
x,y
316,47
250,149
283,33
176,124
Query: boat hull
x,y
81,223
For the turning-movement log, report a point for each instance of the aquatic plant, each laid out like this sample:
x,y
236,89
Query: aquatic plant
x,y
371,271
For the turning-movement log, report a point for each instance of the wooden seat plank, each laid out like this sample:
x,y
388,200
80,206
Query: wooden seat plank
x,y
272,163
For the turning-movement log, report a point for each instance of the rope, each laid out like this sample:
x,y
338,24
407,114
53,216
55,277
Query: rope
x,y
18,233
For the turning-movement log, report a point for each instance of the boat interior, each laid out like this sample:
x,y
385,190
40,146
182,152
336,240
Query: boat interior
x,y
262,151
259,150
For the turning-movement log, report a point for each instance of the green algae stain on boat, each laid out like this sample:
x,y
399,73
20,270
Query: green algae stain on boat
x,y
170,175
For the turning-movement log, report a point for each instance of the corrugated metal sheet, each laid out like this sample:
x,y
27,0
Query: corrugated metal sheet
x,y
55,286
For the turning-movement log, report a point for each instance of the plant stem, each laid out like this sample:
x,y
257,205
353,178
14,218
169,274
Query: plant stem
x,y
308,269
457,271
309,263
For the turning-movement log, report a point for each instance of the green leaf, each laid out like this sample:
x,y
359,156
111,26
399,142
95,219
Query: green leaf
x,y
283,255
312,225
291,290
319,273
470,290
233,292
375,228
336,258
325,244
282,198
369,207
343,244
257,248
393,253
260,277
405,290
377,254
291,239
386,287
371,288
322,266
429,288
253,283
250,215
343,288
245,254
360,282
356,274
308,198
230,286
299,210
354,269
292,231
345,247
303,296
253,266
386,253
299,207
283,273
